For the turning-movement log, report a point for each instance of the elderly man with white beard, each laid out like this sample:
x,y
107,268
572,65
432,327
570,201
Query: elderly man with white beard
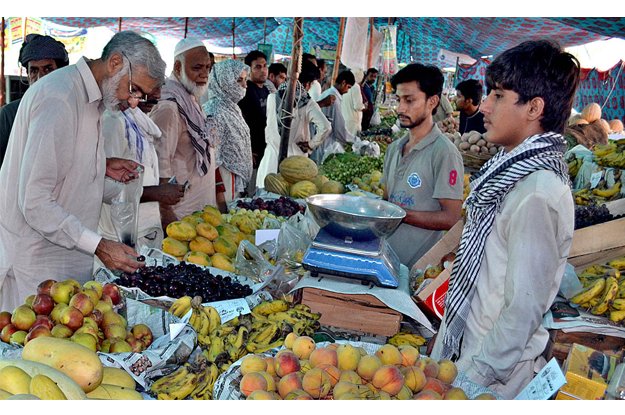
x,y
53,178
185,149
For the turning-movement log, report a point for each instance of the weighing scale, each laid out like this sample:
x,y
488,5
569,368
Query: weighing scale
x,y
370,260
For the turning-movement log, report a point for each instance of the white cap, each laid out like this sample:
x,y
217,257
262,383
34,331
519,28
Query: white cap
x,y
187,44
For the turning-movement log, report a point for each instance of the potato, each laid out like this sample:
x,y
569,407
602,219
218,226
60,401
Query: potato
x,y
474,138
484,150
474,149
493,150
481,142
464,145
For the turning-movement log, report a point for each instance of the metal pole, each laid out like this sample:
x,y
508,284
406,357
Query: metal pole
x,y
234,55
2,81
119,25
286,112
339,46
370,54
265,30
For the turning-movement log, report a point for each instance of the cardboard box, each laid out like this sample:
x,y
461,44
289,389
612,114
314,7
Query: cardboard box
x,y
359,312
448,243
596,242
560,344
587,373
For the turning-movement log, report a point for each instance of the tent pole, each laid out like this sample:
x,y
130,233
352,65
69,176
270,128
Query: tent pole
x,y
456,72
234,55
286,112
265,30
2,82
186,27
339,46
119,25
370,52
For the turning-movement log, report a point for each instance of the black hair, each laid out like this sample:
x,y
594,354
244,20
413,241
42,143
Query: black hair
x,y
471,89
538,68
308,57
277,68
371,70
253,55
309,75
308,66
321,63
346,76
429,78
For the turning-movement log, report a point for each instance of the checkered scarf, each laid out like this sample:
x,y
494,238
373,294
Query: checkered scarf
x,y
489,188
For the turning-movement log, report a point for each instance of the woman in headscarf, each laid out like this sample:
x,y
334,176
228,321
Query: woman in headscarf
x,y
226,87
305,112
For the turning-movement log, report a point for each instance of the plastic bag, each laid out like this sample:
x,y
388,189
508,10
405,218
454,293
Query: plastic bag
x,y
250,262
125,211
582,179
375,118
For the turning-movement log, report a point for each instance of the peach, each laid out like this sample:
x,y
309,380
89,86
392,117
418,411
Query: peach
x,y
323,355
271,382
368,366
252,382
404,393
260,395
414,378
285,363
298,395
333,373
316,383
290,339
428,395
455,394
429,366
343,387
436,385
389,355
485,397
288,384
447,371
351,377
253,363
389,379
304,366
409,355
303,346
271,369
348,357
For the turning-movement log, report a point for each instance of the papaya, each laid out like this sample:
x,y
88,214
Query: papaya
x,y
180,230
70,389
225,246
199,258
223,262
202,244
73,359
174,247
207,230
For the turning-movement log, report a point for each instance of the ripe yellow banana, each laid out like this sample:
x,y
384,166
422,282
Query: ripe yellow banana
x,y
607,193
269,307
617,315
181,306
407,338
609,294
213,317
618,263
166,381
204,388
618,304
590,293
182,390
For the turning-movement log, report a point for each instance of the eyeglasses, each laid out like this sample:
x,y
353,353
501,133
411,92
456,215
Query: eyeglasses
x,y
132,90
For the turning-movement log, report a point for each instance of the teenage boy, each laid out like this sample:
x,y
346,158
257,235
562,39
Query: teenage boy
x,y
519,223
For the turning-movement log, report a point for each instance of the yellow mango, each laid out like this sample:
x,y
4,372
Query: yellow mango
x,y
182,231
199,258
207,231
221,261
225,246
174,247
193,219
119,377
44,388
202,244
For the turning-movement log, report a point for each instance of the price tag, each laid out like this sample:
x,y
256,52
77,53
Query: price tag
x,y
547,382
595,178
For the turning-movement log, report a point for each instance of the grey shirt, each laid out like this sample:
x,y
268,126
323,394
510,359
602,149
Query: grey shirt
x,y
432,170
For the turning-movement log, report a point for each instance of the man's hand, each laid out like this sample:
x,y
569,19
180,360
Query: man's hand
x,y
117,256
122,170
327,101
303,145
170,194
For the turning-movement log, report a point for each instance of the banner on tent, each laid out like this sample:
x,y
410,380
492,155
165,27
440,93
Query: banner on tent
x,y
475,71
606,89
16,24
33,25
389,50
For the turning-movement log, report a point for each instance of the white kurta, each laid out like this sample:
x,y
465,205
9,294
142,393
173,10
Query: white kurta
x,y
352,107
300,131
52,181
523,264
315,91
150,232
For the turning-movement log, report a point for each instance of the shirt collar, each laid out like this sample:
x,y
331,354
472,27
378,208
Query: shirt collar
x,y
93,89
427,140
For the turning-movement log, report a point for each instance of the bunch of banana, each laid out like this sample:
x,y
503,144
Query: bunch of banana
x,y
608,193
269,307
206,381
177,385
204,319
618,263
602,150
589,275
574,166
583,298
609,294
613,159
403,338
181,306
583,197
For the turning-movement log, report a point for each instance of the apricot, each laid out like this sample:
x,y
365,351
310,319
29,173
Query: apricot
x,y
389,379
455,394
389,355
447,371
414,378
316,383
303,346
288,384
322,356
252,382
253,363
348,357
409,355
367,366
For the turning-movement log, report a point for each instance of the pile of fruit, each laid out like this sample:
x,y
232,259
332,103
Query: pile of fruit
x,y
81,314
206,238
589,129
345,167
282,207
604,290
370,182
303,371
184,279
58,369
588,215
299,177
222,344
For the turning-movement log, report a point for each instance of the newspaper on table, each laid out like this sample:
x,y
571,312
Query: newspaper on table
x,y
163,356
562,316
227,384
399,299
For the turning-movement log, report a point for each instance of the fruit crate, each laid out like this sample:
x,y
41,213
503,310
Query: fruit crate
x,y
597,243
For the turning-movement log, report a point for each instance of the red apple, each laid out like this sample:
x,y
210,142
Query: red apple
x,y
112,290
82,302
71,317
136,345
142,332
43,320
23,317
7,332
43,304
44,287
39,331
5,318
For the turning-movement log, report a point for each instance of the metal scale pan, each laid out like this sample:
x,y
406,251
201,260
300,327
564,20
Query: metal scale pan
x,y
352,240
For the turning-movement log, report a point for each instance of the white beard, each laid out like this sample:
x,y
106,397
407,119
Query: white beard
x,y
109,91
192,88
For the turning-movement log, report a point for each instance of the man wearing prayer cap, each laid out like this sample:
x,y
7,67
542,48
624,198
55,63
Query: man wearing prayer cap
x,y
186,152
40,55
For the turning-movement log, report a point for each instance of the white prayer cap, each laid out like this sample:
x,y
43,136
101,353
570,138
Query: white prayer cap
x,y
187,44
